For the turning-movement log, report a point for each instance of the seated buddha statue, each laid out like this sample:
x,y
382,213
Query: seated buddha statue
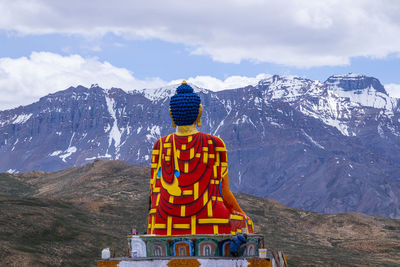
x,y
189,184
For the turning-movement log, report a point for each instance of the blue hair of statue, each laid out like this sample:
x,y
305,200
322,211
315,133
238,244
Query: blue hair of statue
x,y
184,105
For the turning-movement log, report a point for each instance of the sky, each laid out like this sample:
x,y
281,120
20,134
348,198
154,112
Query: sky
x,y
47,45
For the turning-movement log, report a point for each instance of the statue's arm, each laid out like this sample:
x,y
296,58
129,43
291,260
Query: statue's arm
x,y
229,199
154,161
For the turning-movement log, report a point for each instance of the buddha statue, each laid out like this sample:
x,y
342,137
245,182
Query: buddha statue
x,y
189,184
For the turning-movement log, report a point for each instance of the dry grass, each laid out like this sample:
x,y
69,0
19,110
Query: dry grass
x,y
66,218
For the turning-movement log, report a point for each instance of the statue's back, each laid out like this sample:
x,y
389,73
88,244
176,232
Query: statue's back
x,y
189,180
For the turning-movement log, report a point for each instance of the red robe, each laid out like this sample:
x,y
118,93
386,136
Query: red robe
x,y
186,188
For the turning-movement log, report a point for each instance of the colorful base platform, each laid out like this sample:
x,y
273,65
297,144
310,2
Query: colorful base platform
x,y
194,250
189,262
191,245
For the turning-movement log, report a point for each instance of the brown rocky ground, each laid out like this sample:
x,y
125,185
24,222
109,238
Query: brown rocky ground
x,y
65,219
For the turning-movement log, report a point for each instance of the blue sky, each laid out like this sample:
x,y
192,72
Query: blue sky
x,y
46,46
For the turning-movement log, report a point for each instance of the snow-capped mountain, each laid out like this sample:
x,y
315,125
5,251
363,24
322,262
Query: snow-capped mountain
x,y
330,147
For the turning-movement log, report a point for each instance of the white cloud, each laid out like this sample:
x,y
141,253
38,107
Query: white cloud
x,y
231,82
393,89
291,32
24,80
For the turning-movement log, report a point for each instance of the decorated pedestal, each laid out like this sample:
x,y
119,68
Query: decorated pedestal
x,y
197,245
187,250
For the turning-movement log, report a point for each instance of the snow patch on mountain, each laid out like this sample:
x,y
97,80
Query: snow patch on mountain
x,y
288,88
156,94
22,118
367,97
244,119
68,152
106,156
63,155
365,91
330,110
55,153
11,171
114,134
312,140
154,133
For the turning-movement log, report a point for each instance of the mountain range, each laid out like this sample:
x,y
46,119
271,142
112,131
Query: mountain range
x,y
328,146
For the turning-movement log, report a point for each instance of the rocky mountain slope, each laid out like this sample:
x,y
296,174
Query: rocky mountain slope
x,y
65,218
328,147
